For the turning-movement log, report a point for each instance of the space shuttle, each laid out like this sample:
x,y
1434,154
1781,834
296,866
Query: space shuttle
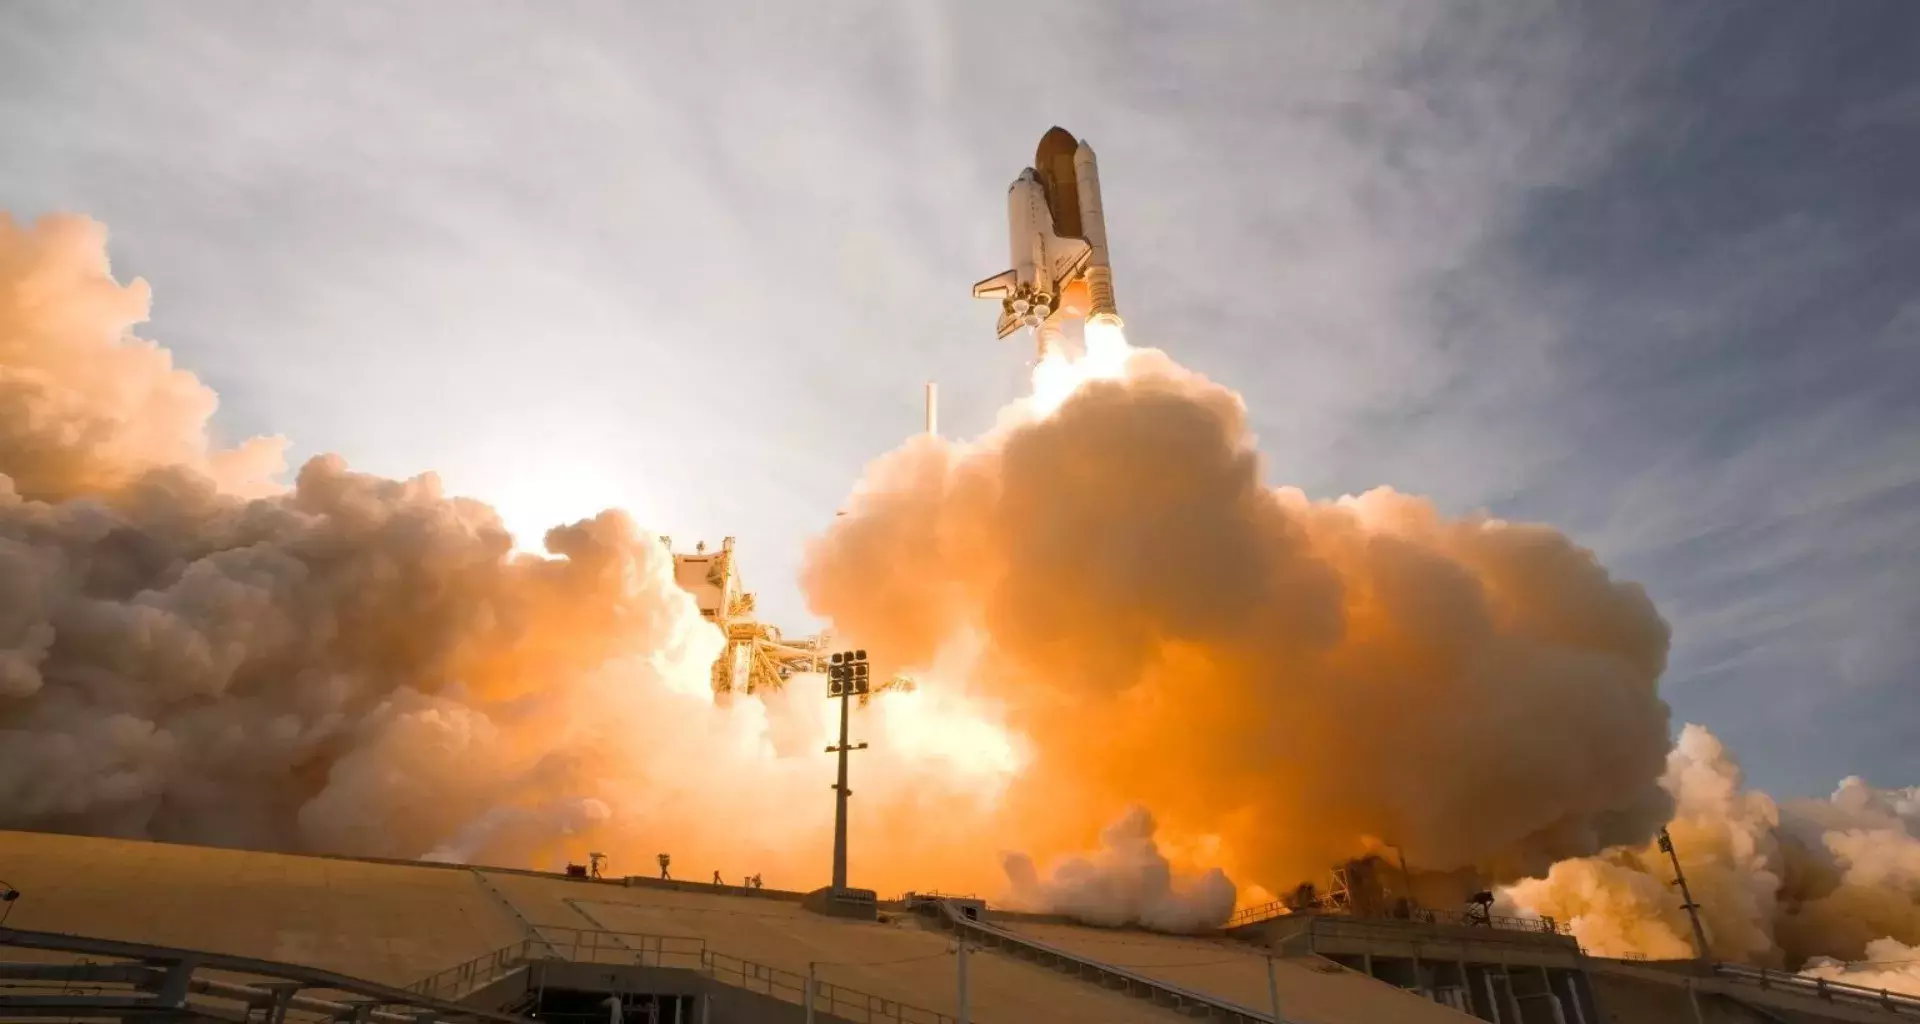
x,y
1058,238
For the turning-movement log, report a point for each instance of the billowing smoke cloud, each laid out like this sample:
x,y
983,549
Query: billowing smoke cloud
x,y
1800,883
1103,602
1128,881
85,409
189,651
1888,964
1300,681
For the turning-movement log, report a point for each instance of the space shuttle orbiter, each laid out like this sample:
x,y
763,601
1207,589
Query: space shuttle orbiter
x,y
1058,237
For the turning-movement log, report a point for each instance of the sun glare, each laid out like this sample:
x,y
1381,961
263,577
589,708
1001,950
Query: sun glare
x,y
538,497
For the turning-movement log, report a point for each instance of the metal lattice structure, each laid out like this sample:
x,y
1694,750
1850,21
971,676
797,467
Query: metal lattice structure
x,y
757,656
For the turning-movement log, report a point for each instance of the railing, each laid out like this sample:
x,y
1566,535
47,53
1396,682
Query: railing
x,y
641,949
1417,915
837,1000
460,979
1822,988
932,894
1320,929
645,949
163,980
1503,922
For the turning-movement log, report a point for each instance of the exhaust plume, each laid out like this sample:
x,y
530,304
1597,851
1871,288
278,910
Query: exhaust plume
x,y
1128,881
1888,964
1306,680
85,409
1112,618
1792,884
358,665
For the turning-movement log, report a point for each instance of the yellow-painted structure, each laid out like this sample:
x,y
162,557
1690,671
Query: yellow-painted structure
x,y
757,655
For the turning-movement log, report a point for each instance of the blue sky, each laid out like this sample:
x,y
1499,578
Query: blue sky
x,y
1650,275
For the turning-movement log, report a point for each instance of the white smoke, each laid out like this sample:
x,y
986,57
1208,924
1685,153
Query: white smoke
x,y
1889,964
521,828
1128,881
1787,885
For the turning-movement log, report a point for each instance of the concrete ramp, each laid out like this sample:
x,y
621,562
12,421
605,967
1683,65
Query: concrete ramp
x,y
1312,990
391,923
443,930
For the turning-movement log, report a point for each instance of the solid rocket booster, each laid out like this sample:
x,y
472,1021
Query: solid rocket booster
x,y
1056,240
1093,221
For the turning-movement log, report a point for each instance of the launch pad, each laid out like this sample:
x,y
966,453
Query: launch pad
x,y
371,940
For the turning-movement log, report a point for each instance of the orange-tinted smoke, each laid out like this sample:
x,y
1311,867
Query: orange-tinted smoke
x,y
85,407
1129,880
1104,605
1295,681
189,651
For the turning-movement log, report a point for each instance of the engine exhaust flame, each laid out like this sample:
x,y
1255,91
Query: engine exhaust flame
x,y
1059,374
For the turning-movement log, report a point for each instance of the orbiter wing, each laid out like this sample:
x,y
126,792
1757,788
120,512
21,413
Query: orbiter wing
x,y
1001,287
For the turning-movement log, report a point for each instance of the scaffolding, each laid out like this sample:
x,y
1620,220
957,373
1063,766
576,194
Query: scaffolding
x,y
757,655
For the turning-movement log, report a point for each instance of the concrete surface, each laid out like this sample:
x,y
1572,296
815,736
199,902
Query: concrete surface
x,y
381,922
397,922
1312,990
898,959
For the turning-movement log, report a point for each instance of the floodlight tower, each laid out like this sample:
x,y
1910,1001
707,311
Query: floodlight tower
x,y
846,678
